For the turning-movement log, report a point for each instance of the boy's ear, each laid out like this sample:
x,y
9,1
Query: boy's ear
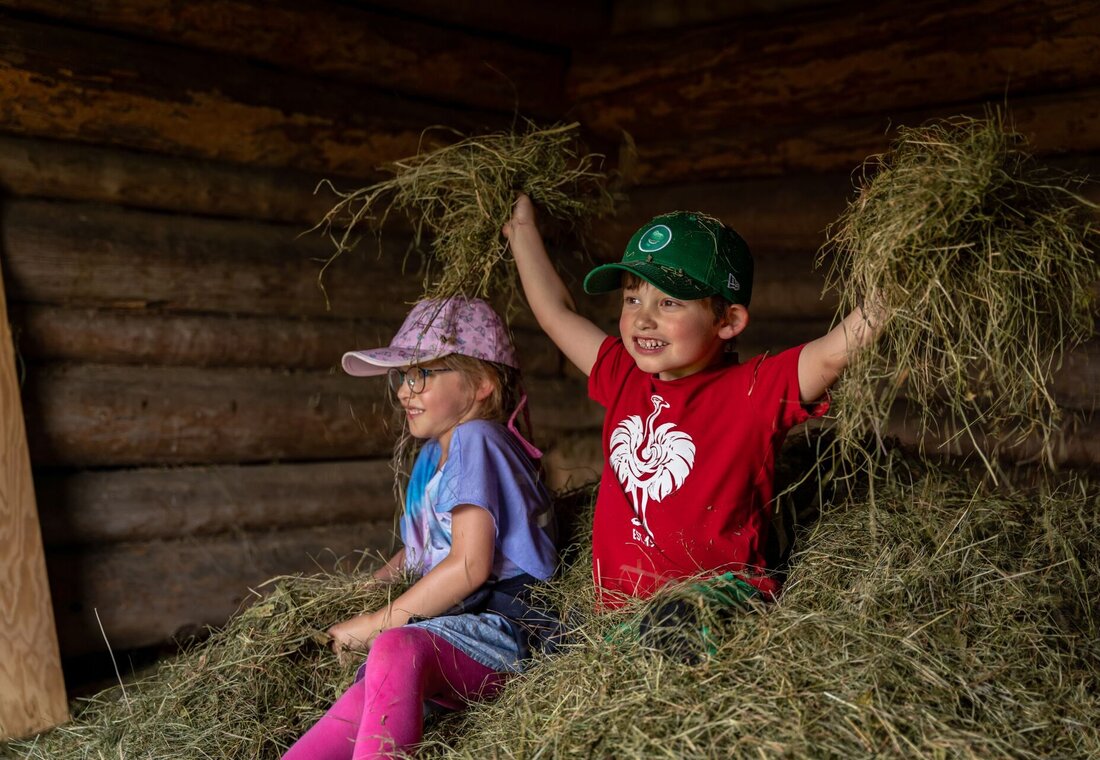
x,y
734,323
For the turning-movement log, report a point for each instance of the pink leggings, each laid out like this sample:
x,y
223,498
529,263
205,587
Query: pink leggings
x,y
383,712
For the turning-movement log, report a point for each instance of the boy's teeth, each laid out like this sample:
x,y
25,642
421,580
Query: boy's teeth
x,y
650,343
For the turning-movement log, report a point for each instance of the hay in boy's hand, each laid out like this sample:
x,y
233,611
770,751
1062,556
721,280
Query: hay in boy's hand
x,y
462,194
983,263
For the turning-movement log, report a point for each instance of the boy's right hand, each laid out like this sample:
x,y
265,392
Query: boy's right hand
x,y
523,213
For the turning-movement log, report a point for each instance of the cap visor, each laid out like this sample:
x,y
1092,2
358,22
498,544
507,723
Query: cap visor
x,y
377,361
609,277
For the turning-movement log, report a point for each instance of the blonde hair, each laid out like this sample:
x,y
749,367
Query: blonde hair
x,y
507,389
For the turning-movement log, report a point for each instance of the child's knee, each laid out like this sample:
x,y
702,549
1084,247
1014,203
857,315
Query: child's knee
x,y
405,648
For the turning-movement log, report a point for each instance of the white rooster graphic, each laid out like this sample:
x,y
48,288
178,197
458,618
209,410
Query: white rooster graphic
x,y
650,463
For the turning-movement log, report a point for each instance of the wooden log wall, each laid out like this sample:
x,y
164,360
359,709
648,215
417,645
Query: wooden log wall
x,y
762,119
190,431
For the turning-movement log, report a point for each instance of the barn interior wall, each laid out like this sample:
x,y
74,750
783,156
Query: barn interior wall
x,y
189,432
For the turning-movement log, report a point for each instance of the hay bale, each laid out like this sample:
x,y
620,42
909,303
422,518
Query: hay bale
x,y
461,195
984,262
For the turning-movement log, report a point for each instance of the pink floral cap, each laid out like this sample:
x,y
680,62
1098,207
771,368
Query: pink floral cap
x,y
439,327
436,328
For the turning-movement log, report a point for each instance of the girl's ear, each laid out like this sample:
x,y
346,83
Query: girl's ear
x,y
484,389
734,323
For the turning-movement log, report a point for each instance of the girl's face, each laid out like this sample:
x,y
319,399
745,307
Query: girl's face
x,y
447,399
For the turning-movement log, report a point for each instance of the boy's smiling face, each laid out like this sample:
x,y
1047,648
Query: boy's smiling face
x,y
674,337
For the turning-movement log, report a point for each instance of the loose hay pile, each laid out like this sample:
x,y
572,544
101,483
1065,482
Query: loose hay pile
x,y
984,263
461,195
961,625
247,692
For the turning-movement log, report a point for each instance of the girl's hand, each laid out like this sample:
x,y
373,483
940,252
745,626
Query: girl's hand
x,y
356,634
523,213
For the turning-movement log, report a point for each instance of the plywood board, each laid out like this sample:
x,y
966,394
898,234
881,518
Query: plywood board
x,y
32,690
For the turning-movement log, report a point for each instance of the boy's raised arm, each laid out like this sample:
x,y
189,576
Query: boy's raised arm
x,y
823,360
577,337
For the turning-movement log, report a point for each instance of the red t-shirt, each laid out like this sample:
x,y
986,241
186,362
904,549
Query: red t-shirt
x,y
688,473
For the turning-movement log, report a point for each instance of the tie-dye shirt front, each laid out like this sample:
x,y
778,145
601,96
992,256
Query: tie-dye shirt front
x,y
425,532
485,468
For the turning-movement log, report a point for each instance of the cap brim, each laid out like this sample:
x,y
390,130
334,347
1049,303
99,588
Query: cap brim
x,y
378,360
609,277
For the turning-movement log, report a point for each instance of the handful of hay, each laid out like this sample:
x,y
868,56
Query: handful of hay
x,y
983,263
462,194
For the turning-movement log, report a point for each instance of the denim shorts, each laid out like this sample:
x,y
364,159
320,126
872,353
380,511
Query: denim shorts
x,y
484,636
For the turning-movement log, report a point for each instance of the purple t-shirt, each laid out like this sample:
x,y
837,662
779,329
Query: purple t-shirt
x,y
486,468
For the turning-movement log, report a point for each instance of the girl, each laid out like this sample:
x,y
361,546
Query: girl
x,y
476,527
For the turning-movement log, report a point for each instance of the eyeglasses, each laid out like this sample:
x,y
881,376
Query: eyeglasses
x,y
414,377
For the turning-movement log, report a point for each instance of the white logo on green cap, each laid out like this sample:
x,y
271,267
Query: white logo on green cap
x,y
655,238
732,283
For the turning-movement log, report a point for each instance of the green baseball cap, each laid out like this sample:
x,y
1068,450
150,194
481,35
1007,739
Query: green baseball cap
x,y
685,254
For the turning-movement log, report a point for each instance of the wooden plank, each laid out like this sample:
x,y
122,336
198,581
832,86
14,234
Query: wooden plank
x,y
71,171
137,336
93,415
80,254
339,42
98,507
94,88
1054,124
32,689
824,64
149,593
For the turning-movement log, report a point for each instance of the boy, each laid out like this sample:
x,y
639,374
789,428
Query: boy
x,y
690,436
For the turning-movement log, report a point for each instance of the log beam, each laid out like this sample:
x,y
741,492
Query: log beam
x,y
137,336
71,171
93,415
99,507
356,45
1054,125
78,254
88,87
567,23
824,65
151,592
